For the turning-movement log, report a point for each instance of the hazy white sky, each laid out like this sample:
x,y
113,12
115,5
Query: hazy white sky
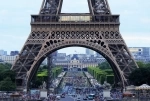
x,y
15,21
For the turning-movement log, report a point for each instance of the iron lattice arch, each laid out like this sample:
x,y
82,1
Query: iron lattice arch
x,y
51,31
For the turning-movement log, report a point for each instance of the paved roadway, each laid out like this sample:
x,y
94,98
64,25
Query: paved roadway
x,y
70,98
70,89
67,98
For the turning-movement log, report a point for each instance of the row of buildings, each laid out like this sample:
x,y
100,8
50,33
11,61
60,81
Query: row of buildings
x,y
91,58
77,61
135,51
12,53
4,57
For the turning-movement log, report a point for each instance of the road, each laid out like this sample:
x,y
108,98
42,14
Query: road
x,y
67,98
71,89
70,98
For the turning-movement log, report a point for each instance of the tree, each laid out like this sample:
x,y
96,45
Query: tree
x,y
7,85
2,67
140,76
5,66
8,73
147,65
45,67
140,64
37,81
42,75
104,65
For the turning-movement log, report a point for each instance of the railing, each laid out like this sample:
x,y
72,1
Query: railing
x,y
75,18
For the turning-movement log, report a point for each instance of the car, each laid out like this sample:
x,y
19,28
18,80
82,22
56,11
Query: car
x,y
73,95
78,99
62,95
91,96
85,98
58,97
108,99
69,94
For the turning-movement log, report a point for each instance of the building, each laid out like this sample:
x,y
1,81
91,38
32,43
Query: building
x,y
136,51
61,54
13,53
8,59
1,61
76,61
140,53
80,56
89,52
3,53
146,52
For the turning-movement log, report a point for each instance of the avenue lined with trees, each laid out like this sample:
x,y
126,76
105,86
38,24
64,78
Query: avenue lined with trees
x,y
42,75
139,76
7,77
101,73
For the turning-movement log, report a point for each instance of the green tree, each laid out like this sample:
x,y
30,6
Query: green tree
x,y
45,67
140,76
5,72
8,73
42,75
5,66
104,65
7,85
38,81
2,67
147,65
140,64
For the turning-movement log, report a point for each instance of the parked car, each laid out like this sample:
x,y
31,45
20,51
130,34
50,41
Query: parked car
x,y
62,95
58,97
108,99
91,96
78,99
85,98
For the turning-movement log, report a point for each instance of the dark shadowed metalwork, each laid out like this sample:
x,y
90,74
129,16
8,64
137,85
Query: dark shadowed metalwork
x,y
52,30
49,63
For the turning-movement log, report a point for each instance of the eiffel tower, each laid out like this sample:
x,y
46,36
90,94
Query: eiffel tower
x,y
52,30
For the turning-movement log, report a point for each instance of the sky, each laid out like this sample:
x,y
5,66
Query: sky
x,y
15,21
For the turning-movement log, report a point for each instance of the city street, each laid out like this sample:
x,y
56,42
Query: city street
x,y
67,98
70,98
71,82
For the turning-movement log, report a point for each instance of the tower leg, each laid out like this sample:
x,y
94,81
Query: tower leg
x,y
50,78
